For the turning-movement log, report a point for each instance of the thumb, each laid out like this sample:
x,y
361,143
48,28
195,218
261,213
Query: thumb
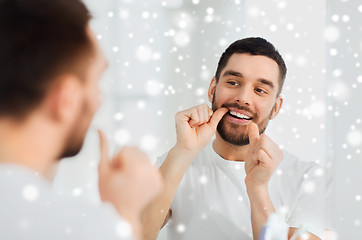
x,y
103,145
251,159
253,133
217,116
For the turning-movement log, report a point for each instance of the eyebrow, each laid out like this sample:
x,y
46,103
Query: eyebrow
x,y
232,73
266,82
237,74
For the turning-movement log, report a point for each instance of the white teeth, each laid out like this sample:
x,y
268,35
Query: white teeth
x,y
239,115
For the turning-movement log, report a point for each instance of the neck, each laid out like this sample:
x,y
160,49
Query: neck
x,y
30,144
229,151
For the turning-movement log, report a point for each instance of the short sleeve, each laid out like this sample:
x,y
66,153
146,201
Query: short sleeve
x,y
308,212
104,222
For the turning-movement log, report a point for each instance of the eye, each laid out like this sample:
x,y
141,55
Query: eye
x,y
259,90
233,83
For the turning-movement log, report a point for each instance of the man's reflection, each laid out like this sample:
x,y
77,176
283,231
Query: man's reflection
x,y
227,188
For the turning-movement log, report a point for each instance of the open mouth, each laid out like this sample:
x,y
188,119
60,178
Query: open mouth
x,y
239,115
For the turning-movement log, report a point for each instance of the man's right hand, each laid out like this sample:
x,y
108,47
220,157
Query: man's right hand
x,y
128,181
196,126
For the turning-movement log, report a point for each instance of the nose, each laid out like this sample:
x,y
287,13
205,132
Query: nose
x,y
244,96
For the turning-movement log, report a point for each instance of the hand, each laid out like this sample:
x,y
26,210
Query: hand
x,y
262,159
196,126
128,181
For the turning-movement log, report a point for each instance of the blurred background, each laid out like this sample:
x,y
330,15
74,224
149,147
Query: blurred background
x,y
163,55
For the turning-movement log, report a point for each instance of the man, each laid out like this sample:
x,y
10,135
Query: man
x,y
50,68
227,188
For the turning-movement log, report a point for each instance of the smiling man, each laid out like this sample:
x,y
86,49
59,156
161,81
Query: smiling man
x,y
227,188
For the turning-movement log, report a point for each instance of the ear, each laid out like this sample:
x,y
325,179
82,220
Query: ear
x,y
212,88
277,106
65,98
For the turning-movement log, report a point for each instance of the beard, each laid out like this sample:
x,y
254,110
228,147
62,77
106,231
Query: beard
x,y
73,146
236,134
74,141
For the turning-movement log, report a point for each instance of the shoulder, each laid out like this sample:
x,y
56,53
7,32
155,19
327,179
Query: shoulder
x,y
40,206
293,164
296,173
201,159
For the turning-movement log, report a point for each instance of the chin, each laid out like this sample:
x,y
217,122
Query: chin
x,y
72,149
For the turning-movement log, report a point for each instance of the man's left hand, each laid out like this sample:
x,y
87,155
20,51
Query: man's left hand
x,y
262,159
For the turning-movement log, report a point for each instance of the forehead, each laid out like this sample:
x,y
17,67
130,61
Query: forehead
x,y
253,67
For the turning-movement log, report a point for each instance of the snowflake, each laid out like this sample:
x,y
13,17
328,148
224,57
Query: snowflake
x,y
145,15
273,27
77,191
354,138
124,14
122,136
253,11
153,87
144,53
181,228
335,18
203,179
30,193
115,49
359,78
118,116
123,229
331,33
345,18
290,26
195,2
182,38
333,52
149,142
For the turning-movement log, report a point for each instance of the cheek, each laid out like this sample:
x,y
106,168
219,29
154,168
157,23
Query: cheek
x,y
94,98
266,109
222,96
97,97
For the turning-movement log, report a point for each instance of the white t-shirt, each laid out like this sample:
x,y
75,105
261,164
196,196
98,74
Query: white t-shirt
x,y
30,210
211,201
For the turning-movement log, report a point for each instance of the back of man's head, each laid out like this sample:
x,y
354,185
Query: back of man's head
x,y
39,40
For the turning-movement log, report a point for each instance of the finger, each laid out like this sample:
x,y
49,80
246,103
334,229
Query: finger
x,y
194,118
124,156
266,162
270,147
253,133
209,112
132,155
104,159
203,113
200,113
263,157
217,116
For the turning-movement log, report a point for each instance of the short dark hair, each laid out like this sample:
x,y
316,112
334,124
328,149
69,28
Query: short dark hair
x,y
39,40
253,46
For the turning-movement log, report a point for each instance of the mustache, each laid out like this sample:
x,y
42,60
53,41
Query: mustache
x,y
240,107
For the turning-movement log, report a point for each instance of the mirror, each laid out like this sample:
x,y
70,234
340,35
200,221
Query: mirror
x,y
163,55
